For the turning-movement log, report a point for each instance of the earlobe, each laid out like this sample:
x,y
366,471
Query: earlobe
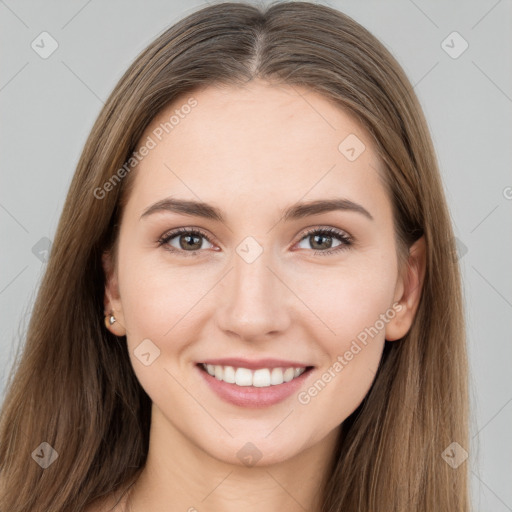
x,y
409,290
114,320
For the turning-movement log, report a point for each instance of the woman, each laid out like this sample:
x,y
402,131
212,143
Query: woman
x,y
252,298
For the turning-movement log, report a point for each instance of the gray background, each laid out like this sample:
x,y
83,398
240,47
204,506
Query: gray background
x,y
48,107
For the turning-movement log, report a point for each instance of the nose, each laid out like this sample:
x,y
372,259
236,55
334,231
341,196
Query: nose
x,y
254,301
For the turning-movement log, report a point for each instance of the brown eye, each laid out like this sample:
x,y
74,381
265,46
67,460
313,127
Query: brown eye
x,y
184,241
324,240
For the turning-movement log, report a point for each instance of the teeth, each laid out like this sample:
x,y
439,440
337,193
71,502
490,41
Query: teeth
x,y
261,378
243,377
229,375
276,377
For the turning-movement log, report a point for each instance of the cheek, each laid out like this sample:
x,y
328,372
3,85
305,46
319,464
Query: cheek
x,y
161,301
160,305
352,308
348,298
354,305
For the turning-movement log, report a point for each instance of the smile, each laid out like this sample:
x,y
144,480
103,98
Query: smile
x,y
260,378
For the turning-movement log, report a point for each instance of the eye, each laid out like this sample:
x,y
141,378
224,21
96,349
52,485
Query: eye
x,y
321,240
185,241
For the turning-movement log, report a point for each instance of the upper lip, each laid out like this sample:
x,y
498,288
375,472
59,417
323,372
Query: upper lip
x,y
255,364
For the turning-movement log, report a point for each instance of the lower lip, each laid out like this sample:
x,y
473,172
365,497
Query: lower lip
x,y
250,396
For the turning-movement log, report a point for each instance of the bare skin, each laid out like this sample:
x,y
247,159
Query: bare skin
x,y
251,152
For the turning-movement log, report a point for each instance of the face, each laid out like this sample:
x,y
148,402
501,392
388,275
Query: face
x,y
254,283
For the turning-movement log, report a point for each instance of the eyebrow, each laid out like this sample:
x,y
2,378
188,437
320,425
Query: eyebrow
x,y
296,211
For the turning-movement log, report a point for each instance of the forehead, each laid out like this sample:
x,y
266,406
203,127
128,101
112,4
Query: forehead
x,y
260,140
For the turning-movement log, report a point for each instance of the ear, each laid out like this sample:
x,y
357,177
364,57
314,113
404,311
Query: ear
x,y
112,298
408,291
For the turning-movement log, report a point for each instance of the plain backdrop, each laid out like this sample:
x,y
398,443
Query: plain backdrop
x,y
48,106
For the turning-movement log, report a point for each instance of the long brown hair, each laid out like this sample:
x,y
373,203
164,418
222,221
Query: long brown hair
x,y
74,387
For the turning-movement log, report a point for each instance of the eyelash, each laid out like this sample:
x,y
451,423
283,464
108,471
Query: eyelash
x,y
330,232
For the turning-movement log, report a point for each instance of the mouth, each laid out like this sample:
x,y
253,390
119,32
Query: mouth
x,y
257,387
259,378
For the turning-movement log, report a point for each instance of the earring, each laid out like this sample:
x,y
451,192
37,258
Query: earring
x,y
109,320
